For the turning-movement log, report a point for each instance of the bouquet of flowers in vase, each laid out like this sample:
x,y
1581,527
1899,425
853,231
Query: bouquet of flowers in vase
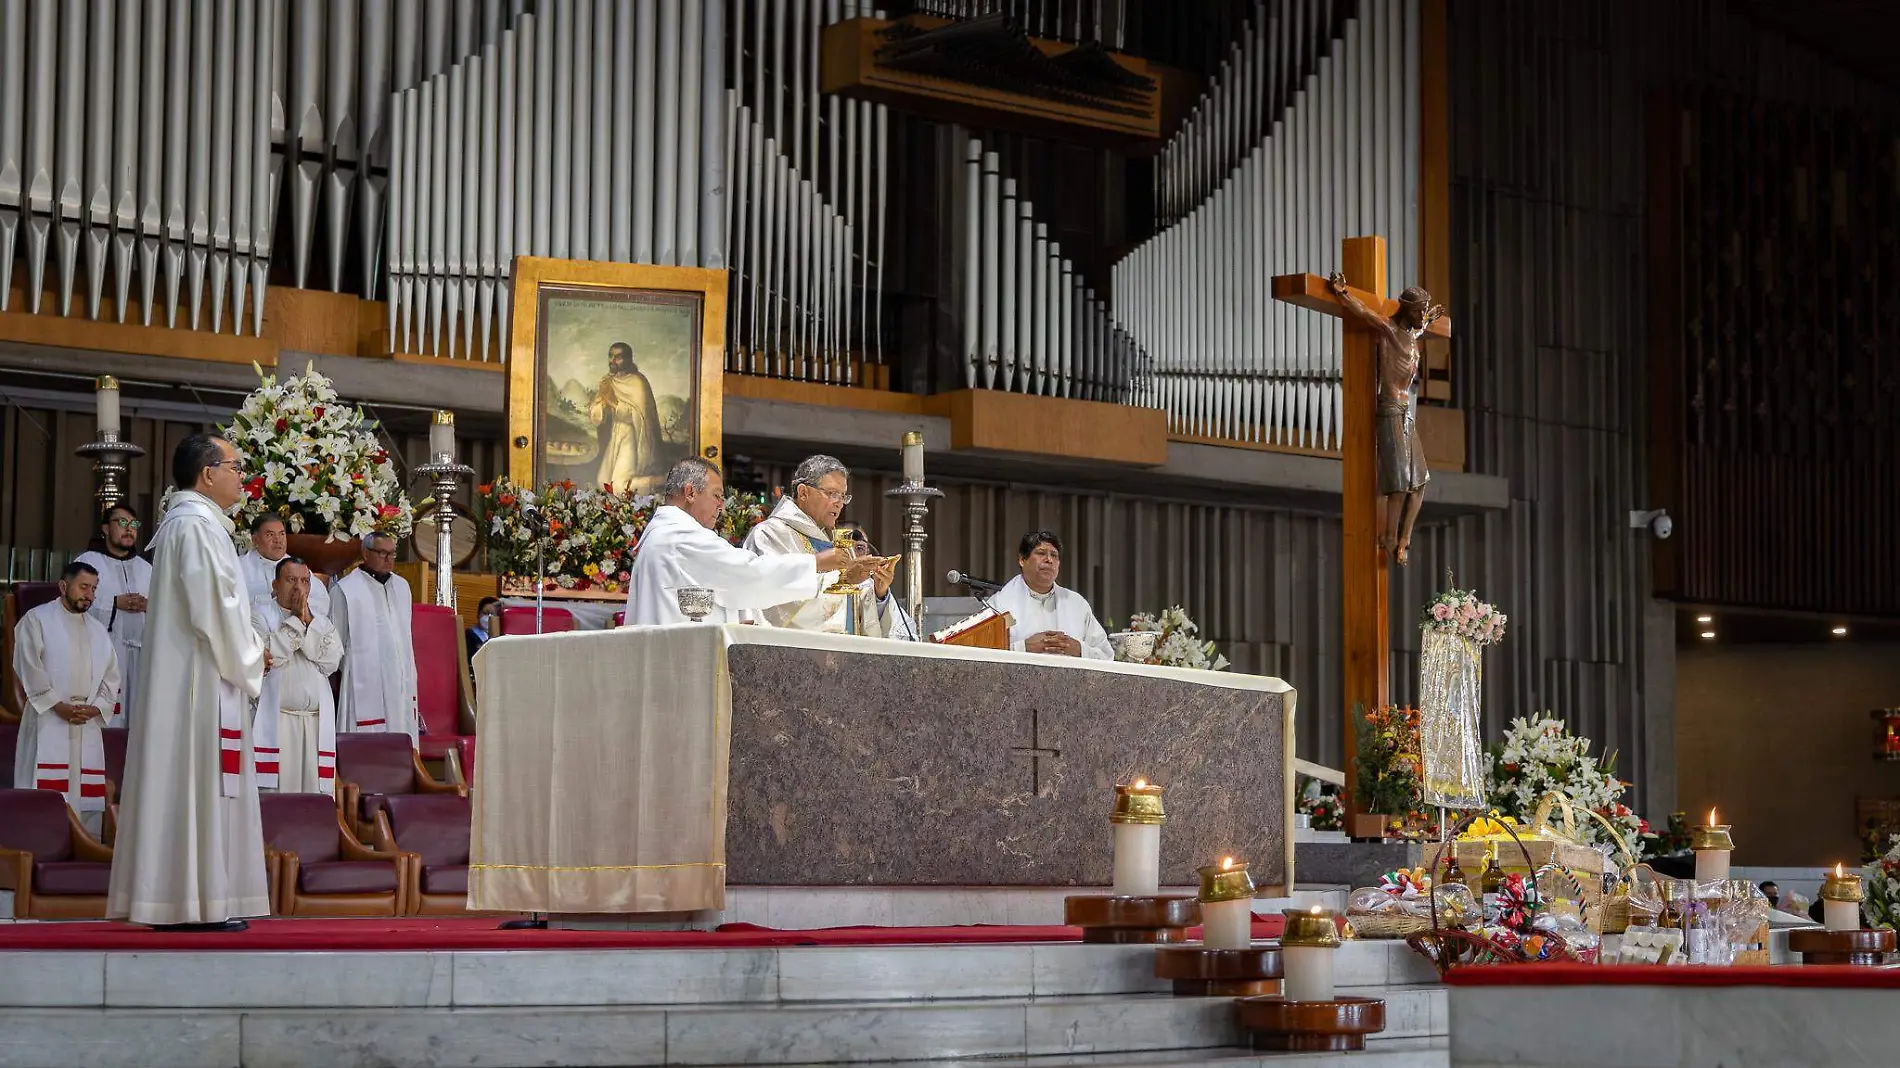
x,y
1882,876
1539,755
315,462
1387,761
1179,644
739,514
1319,801
1460,612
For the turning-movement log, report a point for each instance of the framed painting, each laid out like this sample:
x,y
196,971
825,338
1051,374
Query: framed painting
x,y
613,371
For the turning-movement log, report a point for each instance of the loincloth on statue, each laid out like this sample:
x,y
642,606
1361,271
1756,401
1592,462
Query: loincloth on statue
x,y
1401,455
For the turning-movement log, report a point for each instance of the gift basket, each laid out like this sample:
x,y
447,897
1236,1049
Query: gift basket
x,y
1405,903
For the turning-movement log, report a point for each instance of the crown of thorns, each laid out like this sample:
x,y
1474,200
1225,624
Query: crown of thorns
x,y
1416,296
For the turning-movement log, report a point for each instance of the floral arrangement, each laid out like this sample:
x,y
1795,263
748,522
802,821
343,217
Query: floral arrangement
x,y
1179,644
590,533
1319,802
1882,881
1539,755
1460,612
315,462
1387,761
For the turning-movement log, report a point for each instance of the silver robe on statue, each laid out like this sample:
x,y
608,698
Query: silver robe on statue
x,y
186,852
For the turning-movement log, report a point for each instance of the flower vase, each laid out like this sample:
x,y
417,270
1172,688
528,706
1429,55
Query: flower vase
x,y
1450,686
332,557
1370,824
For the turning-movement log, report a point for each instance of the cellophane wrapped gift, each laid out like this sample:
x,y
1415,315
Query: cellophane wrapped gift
x,y
1450,679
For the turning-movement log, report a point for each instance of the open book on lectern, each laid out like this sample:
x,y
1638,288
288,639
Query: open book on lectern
x,y
988,629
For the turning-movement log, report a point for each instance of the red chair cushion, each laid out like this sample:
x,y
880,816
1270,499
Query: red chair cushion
x,y
304,824
378,763
348,877
519,619
432,826
436,635
9,744
60,877
445,879
34,821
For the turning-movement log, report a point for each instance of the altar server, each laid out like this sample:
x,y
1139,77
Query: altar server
x,y
270,544
125,578
802,523
296,715
70,673
679,548
190,849
373,608
1048,618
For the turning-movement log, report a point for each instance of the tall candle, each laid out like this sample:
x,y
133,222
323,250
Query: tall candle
x,y
1226,905
1138,817
442,435
1840,901
1712,846
107,397
913,456
1306,955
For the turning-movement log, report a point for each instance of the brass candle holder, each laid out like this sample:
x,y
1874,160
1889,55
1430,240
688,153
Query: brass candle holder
x,y
1134,910
1227,881
1139,803
1843,941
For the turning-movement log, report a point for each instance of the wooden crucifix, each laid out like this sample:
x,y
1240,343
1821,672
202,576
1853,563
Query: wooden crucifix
x,y
1362,560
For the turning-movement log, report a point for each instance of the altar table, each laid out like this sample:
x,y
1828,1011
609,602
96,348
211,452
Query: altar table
x,y
642,769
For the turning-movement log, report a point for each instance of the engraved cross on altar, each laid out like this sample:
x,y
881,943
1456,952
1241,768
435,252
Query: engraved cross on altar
x,y
1367,600
1036,751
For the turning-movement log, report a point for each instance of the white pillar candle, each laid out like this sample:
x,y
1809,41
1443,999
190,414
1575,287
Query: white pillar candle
x,y
1841,915
913,456
1227,924
442,436
107,397
1712,846
1137,859
1841,895
1308,971
1711,865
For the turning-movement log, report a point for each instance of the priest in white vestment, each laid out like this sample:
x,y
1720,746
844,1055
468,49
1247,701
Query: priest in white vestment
x,y
70,673
125,579
802,522
1048,618
190,847
680,548
372,608
270,543
296,710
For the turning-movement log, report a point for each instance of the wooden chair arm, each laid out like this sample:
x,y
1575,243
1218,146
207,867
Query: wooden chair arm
x,y
289,870
384,840
352,848
16,874
452,761
349,798
429,784
274,886
85,846
109,826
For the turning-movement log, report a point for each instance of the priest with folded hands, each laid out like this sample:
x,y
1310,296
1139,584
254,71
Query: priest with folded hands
x,y
69,672
681,548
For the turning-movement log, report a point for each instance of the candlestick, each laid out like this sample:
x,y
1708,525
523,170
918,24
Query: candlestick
x,y
1227,905
1712,846
913,456
1138,817
442,437
106,395
1307,948
1841,896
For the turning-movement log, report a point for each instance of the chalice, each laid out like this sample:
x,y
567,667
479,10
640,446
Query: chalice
x,y
695,601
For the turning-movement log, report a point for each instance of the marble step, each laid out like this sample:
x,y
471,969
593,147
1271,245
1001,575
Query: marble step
x,y
652,977
1379,1053
809,907
638,1036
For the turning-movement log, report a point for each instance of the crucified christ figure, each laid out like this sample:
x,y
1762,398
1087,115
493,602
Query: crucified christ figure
x,y
1402,472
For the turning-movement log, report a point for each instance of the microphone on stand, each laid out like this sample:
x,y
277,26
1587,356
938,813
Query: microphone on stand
x,y
976,585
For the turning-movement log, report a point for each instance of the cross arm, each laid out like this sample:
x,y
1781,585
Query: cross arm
x,y
1314,293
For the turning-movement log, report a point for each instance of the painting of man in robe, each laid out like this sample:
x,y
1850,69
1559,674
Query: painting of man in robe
x,y
619,385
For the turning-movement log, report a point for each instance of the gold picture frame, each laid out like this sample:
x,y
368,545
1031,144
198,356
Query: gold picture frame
x,y
649,407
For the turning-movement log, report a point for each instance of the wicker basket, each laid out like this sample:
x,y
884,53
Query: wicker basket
x,y
1386,925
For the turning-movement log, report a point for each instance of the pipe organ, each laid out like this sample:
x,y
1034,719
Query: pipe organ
x,y
1031,323
1339,158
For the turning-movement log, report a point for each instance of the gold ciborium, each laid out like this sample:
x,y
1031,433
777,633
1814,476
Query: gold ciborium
x,y
846,539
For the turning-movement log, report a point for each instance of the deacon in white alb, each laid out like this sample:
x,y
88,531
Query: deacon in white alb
x,y
190,849
802,523
1048,618
270,543
296,715
372,607
679,548
125,578
70,674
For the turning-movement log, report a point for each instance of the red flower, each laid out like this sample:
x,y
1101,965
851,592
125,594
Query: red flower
x,y
381,456
282,424
255,487
507,500
485,488
607,487
387,511
317,411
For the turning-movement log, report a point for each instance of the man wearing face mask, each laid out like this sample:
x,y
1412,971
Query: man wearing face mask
x,y
190,851
125,578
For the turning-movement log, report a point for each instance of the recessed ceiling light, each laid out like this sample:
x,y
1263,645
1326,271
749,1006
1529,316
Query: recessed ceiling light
x,y
1705,619
1840,631
1708,634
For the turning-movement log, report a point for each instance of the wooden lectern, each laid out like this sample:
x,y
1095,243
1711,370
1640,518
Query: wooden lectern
x,y
985,630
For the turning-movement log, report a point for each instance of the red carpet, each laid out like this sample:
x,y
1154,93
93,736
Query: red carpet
x,y
480,933
1690,975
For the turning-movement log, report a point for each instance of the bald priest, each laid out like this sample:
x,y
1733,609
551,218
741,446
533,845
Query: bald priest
x,y
679,547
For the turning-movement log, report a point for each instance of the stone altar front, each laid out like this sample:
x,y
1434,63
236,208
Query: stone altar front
x,y
643,769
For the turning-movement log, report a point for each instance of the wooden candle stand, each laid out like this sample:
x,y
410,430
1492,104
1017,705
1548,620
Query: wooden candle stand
x,y
1275,1023
1131,920
1864,947
1227,973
